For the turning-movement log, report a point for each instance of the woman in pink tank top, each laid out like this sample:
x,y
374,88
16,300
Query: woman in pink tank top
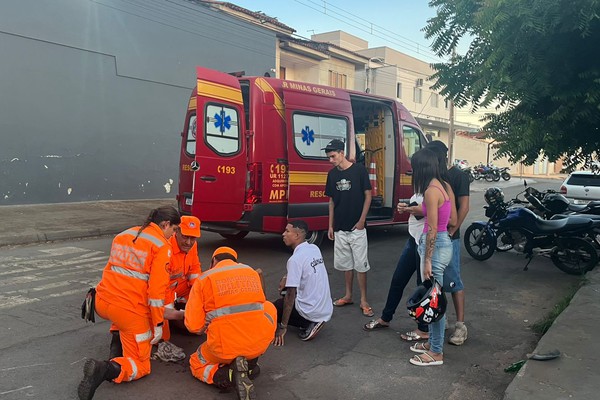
x,y
435,245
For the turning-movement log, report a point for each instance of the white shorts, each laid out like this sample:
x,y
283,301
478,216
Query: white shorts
x,y
350,251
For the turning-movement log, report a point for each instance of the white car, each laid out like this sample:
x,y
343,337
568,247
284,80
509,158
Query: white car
x,y
581,187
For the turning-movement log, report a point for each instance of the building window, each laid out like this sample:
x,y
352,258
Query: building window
x,y
399,90
337,80
446,104
312,133
282,73
418,95
434,100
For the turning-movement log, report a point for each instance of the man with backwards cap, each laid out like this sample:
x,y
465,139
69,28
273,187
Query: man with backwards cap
x,y
228,303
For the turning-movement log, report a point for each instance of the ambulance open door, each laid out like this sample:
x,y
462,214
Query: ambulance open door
x,y
220,162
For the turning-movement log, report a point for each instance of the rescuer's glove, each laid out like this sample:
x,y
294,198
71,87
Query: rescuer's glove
x,y
157,334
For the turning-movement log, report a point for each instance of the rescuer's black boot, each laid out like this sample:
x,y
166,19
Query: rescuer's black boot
x,y
94,373
116,348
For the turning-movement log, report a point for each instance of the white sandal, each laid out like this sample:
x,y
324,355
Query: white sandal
x,y
419,348
422,362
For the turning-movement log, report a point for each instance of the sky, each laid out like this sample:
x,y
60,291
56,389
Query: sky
x,y
394,23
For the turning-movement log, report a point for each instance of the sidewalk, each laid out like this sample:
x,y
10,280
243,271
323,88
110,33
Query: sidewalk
x,y
39,223
571,376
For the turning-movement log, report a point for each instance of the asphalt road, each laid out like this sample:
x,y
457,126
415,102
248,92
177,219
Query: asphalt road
x,y
43,341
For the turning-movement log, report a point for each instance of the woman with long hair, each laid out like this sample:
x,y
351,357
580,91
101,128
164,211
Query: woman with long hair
x,y
435,245
131,295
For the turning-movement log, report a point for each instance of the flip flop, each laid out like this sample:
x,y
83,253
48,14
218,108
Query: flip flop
x,y
374,325
421,361
342,302
412,336
419,348
367,311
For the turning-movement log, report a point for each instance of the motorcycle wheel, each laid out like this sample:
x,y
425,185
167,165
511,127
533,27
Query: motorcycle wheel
x,y
479,243
575,256
504,242
488,177
471,178
506,176
477,176
496,176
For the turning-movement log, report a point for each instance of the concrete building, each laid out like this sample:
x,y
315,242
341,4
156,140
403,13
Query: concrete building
x,y
94,93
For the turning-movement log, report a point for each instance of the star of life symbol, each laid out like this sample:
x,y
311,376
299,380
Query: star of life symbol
x,y
222,121
343,184
308,135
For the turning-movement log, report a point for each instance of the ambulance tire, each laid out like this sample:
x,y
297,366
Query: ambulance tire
x,y
235,236
315,237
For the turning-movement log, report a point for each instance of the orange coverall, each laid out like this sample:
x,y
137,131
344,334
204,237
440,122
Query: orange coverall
x,y
229,302
184,270
131,295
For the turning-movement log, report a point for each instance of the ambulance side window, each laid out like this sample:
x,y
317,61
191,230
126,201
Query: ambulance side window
x,y
312,132
412,140
222,129
190,139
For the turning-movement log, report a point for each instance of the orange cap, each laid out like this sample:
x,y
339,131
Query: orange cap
x,y
226,250
190,226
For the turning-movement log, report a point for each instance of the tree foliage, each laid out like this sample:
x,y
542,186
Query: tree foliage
x,y
537,61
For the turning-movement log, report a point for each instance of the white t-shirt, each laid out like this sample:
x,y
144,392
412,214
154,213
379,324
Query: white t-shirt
x,y
306,272
416,226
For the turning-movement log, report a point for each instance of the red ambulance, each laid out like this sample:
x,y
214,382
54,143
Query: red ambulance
x,y
251,157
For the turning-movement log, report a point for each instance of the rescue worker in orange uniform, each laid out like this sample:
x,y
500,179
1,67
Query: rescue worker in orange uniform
x,y
228,303
131,295
184,268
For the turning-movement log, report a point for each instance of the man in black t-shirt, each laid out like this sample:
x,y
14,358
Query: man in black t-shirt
x,y
459,182
349,191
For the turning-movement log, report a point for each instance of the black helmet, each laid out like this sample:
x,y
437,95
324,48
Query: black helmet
x,y
556,203
428,302
494,196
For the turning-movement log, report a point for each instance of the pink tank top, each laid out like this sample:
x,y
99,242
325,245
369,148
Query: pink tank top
x,y
444,212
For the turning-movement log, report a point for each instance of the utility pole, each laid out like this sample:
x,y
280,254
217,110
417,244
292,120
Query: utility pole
x,y
451,152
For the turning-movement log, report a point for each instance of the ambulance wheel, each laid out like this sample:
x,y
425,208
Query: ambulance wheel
x,y
235,236
315,237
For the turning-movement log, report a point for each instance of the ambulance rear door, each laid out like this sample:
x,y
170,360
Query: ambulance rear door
x,y
220,163
315,115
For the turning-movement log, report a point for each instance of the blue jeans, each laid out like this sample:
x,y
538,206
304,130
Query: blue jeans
x,y
442,255
407,264
452,280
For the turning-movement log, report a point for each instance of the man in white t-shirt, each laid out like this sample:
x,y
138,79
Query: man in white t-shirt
x,y
307,302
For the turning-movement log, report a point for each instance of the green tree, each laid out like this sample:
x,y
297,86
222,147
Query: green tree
x,y
538,61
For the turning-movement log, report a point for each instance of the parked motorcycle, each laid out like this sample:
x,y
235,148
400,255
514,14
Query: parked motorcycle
x,y
504,174
512,225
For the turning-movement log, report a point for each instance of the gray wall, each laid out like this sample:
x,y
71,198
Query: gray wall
x,y
93,93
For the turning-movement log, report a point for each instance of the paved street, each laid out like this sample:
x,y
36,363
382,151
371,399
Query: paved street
x,y
43,342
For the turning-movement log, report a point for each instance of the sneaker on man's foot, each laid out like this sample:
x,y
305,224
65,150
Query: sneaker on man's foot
x,y
311,331
241,379
460,334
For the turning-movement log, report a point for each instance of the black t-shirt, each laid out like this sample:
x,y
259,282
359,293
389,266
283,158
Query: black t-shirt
x,y
459,182
347,190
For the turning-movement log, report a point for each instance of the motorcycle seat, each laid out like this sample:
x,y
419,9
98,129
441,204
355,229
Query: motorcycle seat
x,y
576,207
563,216
569,223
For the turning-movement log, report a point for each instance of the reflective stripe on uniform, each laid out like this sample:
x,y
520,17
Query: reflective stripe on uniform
x,y
240,308
142,337
156,241
222,269
134,369
173,285
207,371
129,273
269,317
192,276
179,275
156,302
